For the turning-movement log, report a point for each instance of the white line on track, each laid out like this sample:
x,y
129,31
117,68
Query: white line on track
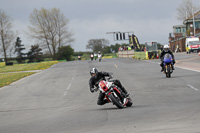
x,y
73,78
188,69
69,86
175,66
67,89
192,87
116,66
2,88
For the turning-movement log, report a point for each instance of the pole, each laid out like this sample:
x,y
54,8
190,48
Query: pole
x,y
193,22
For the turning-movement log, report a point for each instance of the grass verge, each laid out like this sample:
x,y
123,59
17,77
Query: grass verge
x,y
26,67
9,74
8,78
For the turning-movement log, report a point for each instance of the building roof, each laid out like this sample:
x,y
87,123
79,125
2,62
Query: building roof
x,y
178,26
196,16
197,35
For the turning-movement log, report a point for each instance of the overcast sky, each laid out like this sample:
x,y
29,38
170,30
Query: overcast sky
x,y
151,20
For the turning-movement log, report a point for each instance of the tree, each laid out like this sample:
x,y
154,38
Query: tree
x,y
6,34
115,48
160,46
186,10
18,49
106,50
50,28
35,54
97,44
112,48
65,52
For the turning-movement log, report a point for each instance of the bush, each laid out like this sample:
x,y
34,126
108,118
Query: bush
x,y
9,63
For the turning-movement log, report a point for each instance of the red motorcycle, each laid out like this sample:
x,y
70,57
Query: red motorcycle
x,y
113,93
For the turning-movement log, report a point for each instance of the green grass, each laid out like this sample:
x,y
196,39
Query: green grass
x,y
26,67
111,54
9,74
2,64
8,78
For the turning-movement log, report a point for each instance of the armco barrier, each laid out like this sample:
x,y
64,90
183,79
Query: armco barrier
x,y
154,54
141,55
107,57
126,54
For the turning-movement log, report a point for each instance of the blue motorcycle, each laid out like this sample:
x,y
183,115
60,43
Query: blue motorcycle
x,y
167,63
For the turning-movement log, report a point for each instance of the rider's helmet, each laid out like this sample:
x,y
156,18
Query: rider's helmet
x,y
93,72
166,48
99,52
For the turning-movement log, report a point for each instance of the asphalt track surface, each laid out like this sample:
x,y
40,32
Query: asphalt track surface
x,y
58,100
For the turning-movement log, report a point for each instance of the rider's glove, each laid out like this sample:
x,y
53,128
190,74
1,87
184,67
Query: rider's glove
x,y
92,90
111,75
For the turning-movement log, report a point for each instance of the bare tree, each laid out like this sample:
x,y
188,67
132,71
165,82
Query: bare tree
x,y
97,44
6,34
50,28
186,10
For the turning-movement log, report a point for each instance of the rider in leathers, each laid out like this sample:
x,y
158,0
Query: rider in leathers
x,y
166,50
96,76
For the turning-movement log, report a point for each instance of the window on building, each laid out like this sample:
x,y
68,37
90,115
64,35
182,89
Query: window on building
x,y
197,25
178,30
183,29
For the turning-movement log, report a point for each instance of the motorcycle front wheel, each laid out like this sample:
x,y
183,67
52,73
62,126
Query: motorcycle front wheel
x,y
168,71
116,101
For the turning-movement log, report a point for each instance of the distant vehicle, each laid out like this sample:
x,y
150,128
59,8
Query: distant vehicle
x,y
99,57
192,44
95,56
79,57
91,57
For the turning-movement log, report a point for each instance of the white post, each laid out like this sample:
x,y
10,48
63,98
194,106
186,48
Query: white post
x,y
193,21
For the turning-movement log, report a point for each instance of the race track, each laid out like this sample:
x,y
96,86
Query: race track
x,y
58,100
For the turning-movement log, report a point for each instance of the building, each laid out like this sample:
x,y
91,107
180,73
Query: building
x,y
189,24
180,32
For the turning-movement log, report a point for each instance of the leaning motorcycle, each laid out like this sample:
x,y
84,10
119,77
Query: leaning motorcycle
x,y
167,63
113,93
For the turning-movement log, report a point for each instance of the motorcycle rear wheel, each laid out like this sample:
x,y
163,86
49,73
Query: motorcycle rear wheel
x,y
130,102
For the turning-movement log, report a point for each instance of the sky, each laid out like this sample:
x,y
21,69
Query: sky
x,y
150,20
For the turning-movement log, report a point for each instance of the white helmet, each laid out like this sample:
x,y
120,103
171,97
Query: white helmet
x,y
166,48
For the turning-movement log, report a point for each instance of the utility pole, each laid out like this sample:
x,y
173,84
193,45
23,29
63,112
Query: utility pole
x,y
193,22
4,47
120,36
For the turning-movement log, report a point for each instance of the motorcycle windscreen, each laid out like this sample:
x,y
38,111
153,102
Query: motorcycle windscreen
x,y
167,58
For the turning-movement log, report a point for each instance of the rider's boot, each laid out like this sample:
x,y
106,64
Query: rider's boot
x,y
125,92
162,69
118,83
103,102
173,67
